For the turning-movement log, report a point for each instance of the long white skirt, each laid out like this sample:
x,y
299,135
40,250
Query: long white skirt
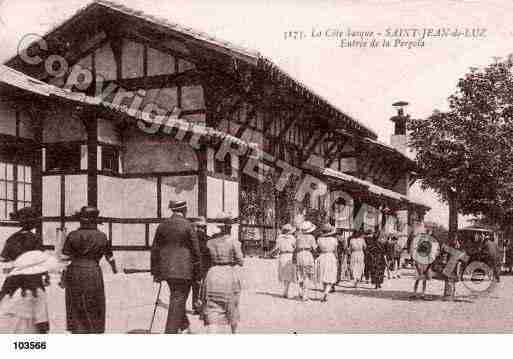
x,y
326,268
286,268
20,314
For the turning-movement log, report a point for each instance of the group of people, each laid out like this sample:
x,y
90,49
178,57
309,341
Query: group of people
x,y
193,253
323,257
23,301
186,254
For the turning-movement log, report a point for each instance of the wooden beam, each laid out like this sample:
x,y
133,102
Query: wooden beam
x,y
292,120
313,144
334,155
117,48
92,158
186,78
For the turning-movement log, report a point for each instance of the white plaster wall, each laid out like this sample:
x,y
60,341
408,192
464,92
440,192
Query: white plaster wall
x,y
75,193
160,63
110,196
51,196
214,199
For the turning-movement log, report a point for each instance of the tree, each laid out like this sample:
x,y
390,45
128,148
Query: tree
x,y
466,154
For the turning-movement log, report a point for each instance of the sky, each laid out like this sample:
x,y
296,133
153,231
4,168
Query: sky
x,y
363,82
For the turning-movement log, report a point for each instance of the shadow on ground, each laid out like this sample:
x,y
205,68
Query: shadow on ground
x,y
400,295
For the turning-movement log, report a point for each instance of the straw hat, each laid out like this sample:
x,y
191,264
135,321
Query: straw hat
x,y
307,227
225,218
288,229
34,262
327,230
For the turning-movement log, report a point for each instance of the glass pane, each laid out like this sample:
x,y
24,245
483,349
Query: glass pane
x,y
21,173
10,191
9,171
2,210
22,205
28,193
21,192
2,170
10,209
28,174
2,189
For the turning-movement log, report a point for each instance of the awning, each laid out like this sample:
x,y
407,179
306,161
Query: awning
x,y
372,190
24,82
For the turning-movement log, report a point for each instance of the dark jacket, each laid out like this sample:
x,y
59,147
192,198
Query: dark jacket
x,y
175,252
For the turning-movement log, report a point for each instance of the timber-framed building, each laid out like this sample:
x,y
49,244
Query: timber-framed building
x,y
62,148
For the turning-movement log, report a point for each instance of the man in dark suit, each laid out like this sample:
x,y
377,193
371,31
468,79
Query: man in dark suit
x,y
175,258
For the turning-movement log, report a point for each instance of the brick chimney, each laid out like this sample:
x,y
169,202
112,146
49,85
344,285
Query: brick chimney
x,y
399,139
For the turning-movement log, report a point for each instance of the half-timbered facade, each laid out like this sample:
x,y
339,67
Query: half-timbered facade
x,y
61,150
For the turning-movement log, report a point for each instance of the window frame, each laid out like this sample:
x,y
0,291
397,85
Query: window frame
x,y
11,203
54,155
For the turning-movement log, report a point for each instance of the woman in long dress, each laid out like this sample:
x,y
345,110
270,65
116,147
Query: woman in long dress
x,y
377,252
326,262
285,246
305,246
23,305
83,279
222,286
357,246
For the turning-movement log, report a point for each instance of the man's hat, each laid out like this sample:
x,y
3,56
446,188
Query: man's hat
x,y
199,221
88,213
177,205
24,215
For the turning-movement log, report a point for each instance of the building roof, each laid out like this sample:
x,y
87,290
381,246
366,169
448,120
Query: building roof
x,y
24,82
251,57
374,189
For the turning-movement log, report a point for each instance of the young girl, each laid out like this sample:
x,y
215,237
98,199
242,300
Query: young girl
x,y
285,246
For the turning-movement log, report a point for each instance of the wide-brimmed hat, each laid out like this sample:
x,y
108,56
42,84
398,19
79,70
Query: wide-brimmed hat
x,y
177,205
308,227
24,215
34,262
199,221
88,213
288,228
327,229
225,218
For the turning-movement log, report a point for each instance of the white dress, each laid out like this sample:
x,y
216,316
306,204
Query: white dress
x,y
326,262
286,244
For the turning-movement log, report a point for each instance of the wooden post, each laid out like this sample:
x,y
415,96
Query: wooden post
x,y
91,123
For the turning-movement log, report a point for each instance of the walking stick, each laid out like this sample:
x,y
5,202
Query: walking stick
x,y
155,308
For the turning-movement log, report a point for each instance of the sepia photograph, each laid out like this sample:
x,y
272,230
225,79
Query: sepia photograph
x,y
247,167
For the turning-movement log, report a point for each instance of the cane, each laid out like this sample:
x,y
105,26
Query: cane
x,y
157,301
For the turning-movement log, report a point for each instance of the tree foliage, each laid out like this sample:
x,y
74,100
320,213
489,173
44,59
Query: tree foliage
x,y
466,153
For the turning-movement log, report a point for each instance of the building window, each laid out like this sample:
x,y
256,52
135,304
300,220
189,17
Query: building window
x,y
110,159
11,183
224,167
63,157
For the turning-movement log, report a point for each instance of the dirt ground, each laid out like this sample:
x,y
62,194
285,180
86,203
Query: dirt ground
x,y
392,309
